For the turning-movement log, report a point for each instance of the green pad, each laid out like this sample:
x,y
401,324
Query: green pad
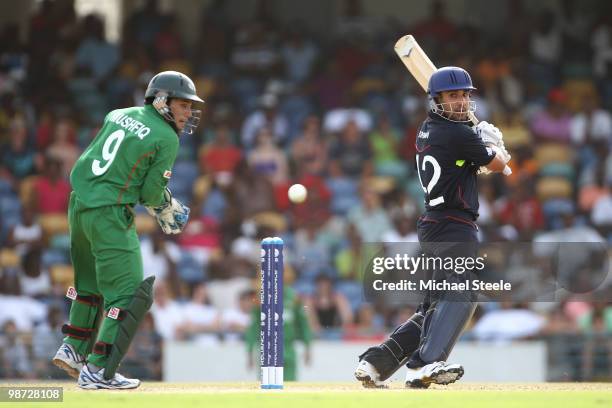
x,y
133,315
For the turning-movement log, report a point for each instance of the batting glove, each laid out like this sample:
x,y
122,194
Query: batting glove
x,y
489,133
502,152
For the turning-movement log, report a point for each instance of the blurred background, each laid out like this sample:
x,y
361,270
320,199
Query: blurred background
x,y
307,92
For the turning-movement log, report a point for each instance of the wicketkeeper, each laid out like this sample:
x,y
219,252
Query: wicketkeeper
x,y
129,162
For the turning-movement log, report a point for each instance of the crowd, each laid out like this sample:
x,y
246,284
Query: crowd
x,y
335,111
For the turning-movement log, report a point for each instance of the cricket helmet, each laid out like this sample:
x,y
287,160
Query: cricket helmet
x,y
449,79
174,84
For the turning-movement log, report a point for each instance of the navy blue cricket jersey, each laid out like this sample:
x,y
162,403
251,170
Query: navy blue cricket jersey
x,y
447,159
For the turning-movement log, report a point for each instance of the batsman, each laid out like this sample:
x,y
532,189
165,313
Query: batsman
x,y
129,162
450,154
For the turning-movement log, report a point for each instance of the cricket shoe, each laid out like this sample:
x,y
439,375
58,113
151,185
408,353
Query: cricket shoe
x,y
95,381
439,372
368,375
69,360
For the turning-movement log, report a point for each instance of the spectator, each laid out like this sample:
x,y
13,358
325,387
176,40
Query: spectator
x,y
591,131
299,55
554,123
328,309
384,141
353,55
315,211
267,116
267,160
352,21
23,311
368,326
168,44
601,216
45,338
235,321
331,86
34,279
27,234
511,322
601,43
51,189
546,41
44,130
437,26
143,25
14,353
63,145
351,154
254,53
202,322
144,357
339,119
591,193
251,194
311,253
220,155
402,238
95,53
558,322
592,123
309,150
351,261
17,157
159,258
215,37
167,314
370,217
522,210
597,352
524,165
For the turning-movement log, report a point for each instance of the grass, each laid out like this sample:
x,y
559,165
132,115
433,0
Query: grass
x,y
337,395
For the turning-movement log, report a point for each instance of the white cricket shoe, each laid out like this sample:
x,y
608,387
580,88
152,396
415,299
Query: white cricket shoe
x,y
69,360
368,375
96,381
438,372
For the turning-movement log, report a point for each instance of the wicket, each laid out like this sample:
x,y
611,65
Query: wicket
x,y
271,297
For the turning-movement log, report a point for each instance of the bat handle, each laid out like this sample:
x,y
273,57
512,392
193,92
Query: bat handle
x,y
507,171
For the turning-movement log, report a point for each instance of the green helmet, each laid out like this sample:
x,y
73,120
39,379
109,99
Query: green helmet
x,y
174,84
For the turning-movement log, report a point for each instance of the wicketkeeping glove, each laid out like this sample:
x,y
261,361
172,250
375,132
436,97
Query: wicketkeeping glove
x,y
171,216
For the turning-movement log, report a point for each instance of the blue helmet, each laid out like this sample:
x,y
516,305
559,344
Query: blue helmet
x,y
449,79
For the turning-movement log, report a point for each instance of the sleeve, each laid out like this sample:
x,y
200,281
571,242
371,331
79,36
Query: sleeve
x,y
472,148
302,327
160,170
251,335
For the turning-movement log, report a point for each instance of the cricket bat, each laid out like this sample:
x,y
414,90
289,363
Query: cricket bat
x,y
421,68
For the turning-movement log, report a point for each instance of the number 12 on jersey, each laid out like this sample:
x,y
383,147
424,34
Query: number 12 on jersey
x,y
437,171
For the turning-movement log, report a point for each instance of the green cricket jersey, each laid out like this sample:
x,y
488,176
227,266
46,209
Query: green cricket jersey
x,y
129,161
295,323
